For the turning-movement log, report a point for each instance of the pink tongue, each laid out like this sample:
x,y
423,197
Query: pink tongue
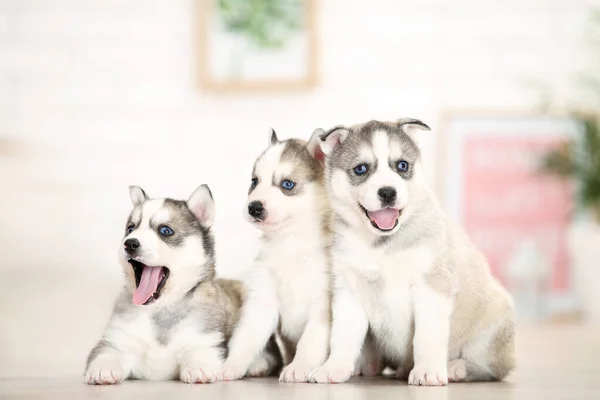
x,y
148,285
386,218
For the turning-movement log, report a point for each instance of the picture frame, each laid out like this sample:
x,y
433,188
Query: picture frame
x,y
490,183
237,55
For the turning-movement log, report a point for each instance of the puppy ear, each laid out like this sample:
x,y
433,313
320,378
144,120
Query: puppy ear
x,y
201,203
273,137
333,138
137,195
411,127
314,145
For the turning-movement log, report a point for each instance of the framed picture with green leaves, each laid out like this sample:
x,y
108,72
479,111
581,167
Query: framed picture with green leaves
x,y
257,45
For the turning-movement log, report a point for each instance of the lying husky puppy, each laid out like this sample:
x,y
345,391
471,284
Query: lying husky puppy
x,y
290,279
403,270
173,318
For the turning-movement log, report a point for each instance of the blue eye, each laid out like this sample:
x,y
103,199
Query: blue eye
x,y
287,184
360,169
402,166
165,231
130,229
254,183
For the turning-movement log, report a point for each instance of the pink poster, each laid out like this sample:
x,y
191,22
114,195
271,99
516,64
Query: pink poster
x,y
506,201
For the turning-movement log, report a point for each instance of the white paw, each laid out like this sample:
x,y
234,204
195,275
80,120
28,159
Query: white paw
x,y
198,375
104,374
330,373
231,372
457,370
259,367
295,372
428,376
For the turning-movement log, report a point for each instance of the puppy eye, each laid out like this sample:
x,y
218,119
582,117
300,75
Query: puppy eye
x,y
130,228
361,169
287,184
402,166
254,183
165,230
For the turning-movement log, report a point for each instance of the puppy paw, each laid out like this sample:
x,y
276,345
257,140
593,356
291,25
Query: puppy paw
x,y
428,376
295,372
231,372
104,374
259,368
198,375
457,370
330,373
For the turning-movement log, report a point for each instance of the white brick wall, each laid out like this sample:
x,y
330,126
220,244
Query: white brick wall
x,y
110,87
103,94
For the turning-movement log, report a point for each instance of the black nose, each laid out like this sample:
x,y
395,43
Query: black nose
x,y
131,245
387,195
256,209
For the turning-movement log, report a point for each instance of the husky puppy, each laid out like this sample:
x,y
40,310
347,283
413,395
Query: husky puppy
x,y
173,318
289,291
403,270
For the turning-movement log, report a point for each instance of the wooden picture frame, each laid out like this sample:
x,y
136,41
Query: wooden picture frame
x,y
210,32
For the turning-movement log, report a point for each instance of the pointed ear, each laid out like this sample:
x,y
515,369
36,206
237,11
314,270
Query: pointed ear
x,y
137,195
332,138
201,203
273,137
314,145
412,126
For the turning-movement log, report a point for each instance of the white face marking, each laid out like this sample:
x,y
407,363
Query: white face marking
x,y
384,176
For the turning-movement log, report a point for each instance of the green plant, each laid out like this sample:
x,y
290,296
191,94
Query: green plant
x,y
579,160
267,23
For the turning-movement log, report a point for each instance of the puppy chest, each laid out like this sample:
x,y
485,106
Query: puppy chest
x,y
293,312
156,363
160,349
295,295
391,320
152,360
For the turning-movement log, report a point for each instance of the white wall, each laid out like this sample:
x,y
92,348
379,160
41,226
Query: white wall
x,y
98,95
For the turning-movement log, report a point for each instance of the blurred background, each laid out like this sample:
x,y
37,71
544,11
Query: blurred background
x,y
99,95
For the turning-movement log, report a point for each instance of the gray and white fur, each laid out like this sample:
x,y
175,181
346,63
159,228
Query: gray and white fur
x,y
173,318
289,290
403,271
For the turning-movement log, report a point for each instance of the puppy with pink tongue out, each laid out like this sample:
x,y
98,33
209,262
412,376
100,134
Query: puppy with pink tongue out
x,y
173,318
404,272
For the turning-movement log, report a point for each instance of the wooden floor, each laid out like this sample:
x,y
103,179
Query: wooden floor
x,y
555,362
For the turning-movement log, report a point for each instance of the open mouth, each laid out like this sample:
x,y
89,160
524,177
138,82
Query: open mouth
x,y
149,282
385,219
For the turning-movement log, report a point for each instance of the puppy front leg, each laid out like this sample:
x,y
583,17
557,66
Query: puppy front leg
x,y
107,365
432,312
260,315
348,332
313,345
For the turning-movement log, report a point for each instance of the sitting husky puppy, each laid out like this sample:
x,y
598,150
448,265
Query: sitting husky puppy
x,y
403,270
173,318
290,281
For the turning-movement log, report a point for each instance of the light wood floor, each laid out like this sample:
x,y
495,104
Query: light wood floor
x,y
555,362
